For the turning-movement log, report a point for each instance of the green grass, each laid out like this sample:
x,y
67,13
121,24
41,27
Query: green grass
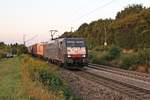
x,y
10,80
47,75
17,83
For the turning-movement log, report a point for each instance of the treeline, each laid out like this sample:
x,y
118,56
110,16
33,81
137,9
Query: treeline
x,y
14,49
130,29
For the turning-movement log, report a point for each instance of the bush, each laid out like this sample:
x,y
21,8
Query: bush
x,y
94,56
56,83
95,59
2,55
91,55
129,61
113,53
103,57
144,57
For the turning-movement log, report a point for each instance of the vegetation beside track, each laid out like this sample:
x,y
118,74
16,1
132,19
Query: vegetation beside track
x,y
37,73
10,80
14,49
137,60
24,78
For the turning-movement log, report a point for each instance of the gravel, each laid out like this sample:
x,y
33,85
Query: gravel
x,y
84,89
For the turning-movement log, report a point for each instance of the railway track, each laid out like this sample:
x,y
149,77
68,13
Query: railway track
x,y
137,75
119,81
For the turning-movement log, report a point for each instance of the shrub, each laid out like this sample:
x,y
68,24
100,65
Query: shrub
x,y
94,56
56,83
113,53
129,60
91,55
144,57
44,76
67,94
2,55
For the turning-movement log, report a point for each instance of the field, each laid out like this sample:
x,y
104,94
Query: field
x,y
24,78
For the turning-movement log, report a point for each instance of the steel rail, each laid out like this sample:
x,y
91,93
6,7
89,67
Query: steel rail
x,y
129,89
132,74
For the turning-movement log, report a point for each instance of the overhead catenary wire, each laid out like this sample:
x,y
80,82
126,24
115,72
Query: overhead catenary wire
x,y
31,38
25,41
92,11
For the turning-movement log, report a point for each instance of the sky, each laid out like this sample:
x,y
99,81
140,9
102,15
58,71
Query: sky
x,y
34,18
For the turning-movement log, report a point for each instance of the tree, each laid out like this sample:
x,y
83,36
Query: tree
x,y
130,29
130,10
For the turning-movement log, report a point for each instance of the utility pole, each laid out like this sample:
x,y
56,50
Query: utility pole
x,y
72,29
105,42
24,39
52,33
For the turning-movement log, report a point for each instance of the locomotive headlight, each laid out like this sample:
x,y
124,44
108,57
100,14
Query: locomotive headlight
x,y
69,55
84,55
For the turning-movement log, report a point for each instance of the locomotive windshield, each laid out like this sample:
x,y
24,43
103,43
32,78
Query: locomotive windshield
x,y
75,44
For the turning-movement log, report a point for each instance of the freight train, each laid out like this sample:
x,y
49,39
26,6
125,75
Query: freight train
x,y
67,52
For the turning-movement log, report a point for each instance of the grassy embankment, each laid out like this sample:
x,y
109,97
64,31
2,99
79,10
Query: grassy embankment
x,y
24,78
138,60
39,73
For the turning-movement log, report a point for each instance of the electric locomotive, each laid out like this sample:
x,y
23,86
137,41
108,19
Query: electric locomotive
x,y
67,52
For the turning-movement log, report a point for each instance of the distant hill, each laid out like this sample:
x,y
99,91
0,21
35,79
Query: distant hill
x,y
130,29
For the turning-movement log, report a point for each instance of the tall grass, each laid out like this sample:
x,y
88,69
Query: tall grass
x,y
37,71
10,80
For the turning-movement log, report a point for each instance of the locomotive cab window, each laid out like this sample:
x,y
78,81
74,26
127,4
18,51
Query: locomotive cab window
x,y
75,44
80,43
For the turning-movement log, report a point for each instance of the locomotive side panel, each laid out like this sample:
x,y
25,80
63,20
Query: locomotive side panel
x,y
51,51
61,50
